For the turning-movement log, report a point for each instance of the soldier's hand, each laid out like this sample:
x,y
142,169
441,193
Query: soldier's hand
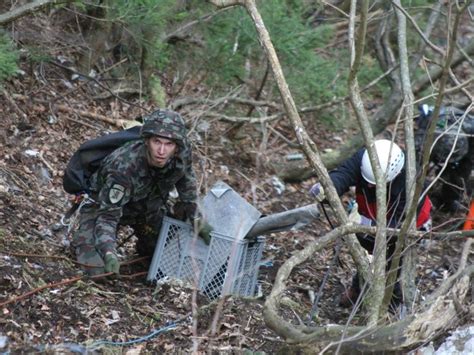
x,y
318,192
111,263
184,210
204,231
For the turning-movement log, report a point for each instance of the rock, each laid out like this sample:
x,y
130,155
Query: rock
x,y
460,342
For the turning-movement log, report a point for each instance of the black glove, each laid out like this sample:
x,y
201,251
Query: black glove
x,y
184,210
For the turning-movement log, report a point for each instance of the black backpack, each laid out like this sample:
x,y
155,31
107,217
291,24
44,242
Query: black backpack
x,y
86,160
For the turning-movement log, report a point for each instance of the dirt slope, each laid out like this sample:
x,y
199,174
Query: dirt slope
x,y
46,303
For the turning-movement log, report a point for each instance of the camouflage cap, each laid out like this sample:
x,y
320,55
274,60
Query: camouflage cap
x,y
164,123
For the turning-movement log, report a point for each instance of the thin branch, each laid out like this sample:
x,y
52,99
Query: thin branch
x,y
408,99
449,91
377,279
437,72
227,3
98,83
120,123
415,25
448,283
54,284
186,28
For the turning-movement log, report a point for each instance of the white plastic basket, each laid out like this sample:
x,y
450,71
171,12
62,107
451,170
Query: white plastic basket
x,y
225,266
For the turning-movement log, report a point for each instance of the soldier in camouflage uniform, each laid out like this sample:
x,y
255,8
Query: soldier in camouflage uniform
x,y
131,187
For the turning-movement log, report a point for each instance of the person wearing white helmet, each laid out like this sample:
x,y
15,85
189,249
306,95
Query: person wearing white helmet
x,y
357,171
391,158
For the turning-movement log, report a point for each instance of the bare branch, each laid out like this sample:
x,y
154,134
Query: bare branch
x,y
227,3
184,30
436,73
120,123
399,8
377,280
407,112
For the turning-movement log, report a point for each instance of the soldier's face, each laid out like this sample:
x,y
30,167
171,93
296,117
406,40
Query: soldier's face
x,y
160,150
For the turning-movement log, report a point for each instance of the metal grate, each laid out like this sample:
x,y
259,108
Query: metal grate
x,y
226,266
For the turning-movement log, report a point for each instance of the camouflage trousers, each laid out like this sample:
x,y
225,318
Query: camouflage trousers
x,y
89,252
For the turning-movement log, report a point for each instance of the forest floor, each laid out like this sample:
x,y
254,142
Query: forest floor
x,y
46,303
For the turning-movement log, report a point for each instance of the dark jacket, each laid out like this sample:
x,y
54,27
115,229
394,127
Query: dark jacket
x,y
349,174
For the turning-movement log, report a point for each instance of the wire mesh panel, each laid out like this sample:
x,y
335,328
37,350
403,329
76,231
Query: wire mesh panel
x,y
226,266
246,279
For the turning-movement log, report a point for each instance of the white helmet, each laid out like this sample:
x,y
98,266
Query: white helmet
x,y
385,150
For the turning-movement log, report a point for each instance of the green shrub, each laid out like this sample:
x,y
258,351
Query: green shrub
x,y
147,22
8,57
225,50
233,52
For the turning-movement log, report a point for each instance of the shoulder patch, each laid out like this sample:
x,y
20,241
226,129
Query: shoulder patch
x,y
116,193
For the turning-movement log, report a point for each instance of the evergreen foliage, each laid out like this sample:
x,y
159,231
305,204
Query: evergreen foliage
x,y
147,22
225,50
232,45
230,51
8,57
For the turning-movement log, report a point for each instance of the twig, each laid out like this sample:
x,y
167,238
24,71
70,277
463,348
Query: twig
x,y
67,282
420,32
118,122
36,290
13,103
181,31
26,255
97,82
81,84
314,308
48,165
17,179
286,140
133,261
346,15
453,90
132,276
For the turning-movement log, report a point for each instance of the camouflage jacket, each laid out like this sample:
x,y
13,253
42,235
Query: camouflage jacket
x,y
128,190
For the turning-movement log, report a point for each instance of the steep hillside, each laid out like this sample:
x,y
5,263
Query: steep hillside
x,y
46,112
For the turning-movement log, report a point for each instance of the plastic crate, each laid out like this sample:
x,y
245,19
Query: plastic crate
x,y
225,266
